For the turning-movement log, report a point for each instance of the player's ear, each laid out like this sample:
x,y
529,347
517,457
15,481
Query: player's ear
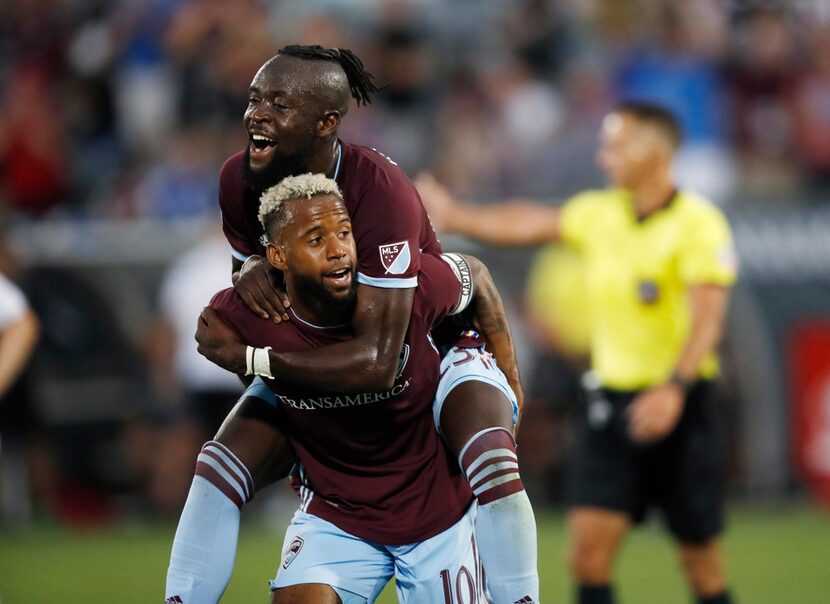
x,y
276,256
328,124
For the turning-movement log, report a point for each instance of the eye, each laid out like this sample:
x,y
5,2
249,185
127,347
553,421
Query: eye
x,y
344,233
315,240
280,105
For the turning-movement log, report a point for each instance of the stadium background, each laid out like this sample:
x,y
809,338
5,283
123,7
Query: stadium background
x,y
114,120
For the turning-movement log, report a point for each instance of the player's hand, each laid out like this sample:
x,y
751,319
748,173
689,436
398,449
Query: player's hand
x,y
438,201
654,413
257,289
218,343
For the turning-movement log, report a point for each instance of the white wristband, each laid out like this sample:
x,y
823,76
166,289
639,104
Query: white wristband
x,y
257,362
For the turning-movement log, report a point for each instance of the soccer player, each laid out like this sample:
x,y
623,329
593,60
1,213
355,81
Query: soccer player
x,y
297,100
659,265
381,494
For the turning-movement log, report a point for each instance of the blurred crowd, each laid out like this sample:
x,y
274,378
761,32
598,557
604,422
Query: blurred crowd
x,y
122,109
119,109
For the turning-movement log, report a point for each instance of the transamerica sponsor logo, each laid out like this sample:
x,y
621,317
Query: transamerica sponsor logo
x,y
338,401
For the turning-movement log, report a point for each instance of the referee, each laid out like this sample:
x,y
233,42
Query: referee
x,y
659,263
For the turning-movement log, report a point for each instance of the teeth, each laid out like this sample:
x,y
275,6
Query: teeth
x,y
259,137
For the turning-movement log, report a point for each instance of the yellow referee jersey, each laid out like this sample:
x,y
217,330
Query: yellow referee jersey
x,y
638,274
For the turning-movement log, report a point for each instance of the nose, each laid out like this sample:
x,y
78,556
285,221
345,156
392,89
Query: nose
x,y
258,113
336,248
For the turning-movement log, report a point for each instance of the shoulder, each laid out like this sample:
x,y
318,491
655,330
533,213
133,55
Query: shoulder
x,y
594,198
373,169
699,210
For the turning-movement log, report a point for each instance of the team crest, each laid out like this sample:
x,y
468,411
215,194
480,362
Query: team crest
x,y
402,360
395,257
292,551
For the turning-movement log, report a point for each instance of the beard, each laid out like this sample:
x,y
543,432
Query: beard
x,y
279,167
313,289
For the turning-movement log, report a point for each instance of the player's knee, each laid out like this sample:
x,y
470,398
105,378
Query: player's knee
x,y
490,462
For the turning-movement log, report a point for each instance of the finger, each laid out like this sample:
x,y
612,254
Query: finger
x,y
268,297
252,303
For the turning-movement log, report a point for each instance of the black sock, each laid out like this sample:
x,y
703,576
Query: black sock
x,y
721,598
596,594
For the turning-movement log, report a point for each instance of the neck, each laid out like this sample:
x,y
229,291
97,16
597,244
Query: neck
x,y
653,193
325,159
316,310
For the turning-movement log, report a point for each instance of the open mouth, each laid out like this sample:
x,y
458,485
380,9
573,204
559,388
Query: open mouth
x,y
260,145
340,277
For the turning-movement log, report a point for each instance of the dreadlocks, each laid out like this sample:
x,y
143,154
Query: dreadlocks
x,y
361,82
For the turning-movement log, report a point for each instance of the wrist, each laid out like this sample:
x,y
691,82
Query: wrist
x,y
681,382
258,361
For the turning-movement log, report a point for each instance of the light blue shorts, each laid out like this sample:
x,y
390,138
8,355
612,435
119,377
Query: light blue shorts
x,y
444,566
461,365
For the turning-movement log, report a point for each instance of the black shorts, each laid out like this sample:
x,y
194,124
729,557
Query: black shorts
x,y
682,475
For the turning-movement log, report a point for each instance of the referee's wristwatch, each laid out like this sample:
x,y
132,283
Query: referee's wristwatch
x,y
678,380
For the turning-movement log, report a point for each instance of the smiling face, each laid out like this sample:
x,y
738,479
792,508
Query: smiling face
x,y
293,107
313,245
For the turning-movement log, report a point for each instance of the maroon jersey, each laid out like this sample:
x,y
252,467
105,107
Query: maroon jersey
x,y
371,463
391,226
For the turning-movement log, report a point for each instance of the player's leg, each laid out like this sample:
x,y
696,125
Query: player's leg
x,y
703,565
444,569
476,411
321,561
693,503
247,453
595,535
307,593
603,492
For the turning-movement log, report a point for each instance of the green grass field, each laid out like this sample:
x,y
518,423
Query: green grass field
x,y
777,555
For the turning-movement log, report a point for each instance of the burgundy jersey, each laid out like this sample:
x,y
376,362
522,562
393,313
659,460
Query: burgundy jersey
x,y
371,463
391,226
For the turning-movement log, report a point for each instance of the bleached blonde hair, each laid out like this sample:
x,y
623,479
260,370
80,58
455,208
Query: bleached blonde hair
x,y
293,187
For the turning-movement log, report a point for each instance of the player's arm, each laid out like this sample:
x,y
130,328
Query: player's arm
x,y
368,362
17,342
490,320
653,414
514,222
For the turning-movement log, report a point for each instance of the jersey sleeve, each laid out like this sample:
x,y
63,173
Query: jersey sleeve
x,y
707,254
12,303
388,222
440,291
231,206
575,219
233,312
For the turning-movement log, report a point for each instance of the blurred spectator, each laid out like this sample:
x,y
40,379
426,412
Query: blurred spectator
x,y
19,330
812,111
767,65
196,395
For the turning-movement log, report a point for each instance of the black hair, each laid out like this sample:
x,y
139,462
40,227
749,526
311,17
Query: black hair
x,y
655,114
361,82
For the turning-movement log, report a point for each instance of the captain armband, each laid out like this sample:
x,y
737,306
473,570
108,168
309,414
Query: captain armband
x,y
257,362
462,270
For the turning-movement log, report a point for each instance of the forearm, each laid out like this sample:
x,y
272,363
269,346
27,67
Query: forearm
x,y
16,346
491,320
358,365
708,311
516,222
